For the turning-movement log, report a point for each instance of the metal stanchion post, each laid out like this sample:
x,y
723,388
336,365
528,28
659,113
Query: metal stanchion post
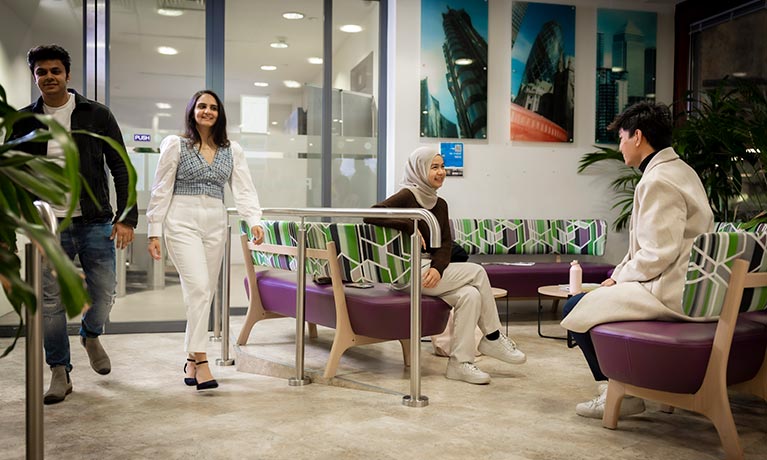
x,y
35,448
218,298
224,294
121,272
415,398
300,379
34,352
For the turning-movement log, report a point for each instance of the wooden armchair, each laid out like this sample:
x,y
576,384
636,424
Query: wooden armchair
x,y
691,364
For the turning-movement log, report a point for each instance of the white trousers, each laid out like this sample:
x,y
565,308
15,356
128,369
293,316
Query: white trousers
x,y
465,287
195,236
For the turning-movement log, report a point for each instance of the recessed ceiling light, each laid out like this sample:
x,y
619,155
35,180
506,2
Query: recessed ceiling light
x,y
163,115
274,123
163,105
268,67
351,28
293,15
739,74
260,84
463,61
167,50
279,44
169,12
315,60
292,84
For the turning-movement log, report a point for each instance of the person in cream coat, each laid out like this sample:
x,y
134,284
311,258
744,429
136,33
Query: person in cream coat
x,y
670,209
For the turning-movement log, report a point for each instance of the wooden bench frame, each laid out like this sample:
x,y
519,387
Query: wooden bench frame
x,y
344,337
711,399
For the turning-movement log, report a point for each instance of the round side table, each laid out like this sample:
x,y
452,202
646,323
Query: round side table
x,y
552,292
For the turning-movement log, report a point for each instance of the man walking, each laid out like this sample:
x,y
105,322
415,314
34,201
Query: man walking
x,y
94,232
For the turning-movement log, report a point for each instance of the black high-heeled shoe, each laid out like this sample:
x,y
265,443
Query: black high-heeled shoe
x,y
210,384
190,381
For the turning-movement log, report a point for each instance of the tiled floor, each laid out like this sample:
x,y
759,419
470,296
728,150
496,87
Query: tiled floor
x,y
143,410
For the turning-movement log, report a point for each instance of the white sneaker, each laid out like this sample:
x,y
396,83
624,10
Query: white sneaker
x,y
596,407
467,372
503,349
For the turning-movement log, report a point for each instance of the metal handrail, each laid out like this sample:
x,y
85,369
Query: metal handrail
x,y
414,399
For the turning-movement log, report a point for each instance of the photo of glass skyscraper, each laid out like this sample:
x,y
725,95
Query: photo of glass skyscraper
x,y
542,72
626,44
454,68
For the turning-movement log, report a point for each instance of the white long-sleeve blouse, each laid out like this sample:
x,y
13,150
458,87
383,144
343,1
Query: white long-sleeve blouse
x,y
245,195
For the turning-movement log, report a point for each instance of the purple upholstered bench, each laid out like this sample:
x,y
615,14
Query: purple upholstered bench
x,y
523,281
379,312
672,356
502,238
343,253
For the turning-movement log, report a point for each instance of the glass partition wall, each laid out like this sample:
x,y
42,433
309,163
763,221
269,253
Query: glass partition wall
x,y
300,82
23,25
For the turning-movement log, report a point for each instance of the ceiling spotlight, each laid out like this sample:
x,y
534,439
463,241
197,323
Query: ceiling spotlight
x,y
261,84
169,12
463,61
268,67
280,43
292,84
351,28
315,60
163,105
293,15
167,50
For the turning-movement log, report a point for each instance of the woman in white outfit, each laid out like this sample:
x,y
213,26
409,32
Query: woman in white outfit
x,y
187,208
462,285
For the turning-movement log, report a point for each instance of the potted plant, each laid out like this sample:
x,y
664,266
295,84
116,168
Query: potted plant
x,y
724,139
25,178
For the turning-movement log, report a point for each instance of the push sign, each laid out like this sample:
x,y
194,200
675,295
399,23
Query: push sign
x,y
142,137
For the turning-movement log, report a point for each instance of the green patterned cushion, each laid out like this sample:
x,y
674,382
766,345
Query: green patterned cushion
x,y
738,227
530,236
365,252
709,269
370,253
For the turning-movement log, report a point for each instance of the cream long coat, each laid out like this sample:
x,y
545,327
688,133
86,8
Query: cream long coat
x,y
670,209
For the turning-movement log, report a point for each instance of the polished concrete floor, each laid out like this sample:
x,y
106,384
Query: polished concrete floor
x,y
142,409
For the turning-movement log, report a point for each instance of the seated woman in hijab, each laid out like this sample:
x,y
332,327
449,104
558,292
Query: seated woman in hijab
x,y
464,286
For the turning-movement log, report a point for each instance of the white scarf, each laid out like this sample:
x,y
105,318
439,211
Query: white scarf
x,y
417,176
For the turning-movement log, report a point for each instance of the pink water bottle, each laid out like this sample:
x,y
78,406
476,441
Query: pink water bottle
x,y
576,277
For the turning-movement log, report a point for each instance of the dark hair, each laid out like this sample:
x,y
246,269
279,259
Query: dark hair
x,y
654,120
218,130
48,53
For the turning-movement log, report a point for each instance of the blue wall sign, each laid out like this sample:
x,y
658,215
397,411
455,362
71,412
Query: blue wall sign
x,y
452,153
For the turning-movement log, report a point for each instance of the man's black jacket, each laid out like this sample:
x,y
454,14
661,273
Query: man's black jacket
x,y
97,118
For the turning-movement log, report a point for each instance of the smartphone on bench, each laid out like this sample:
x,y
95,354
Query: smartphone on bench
x,y
360,285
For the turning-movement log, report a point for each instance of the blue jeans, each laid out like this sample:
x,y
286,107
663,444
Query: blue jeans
x,y
91,243
584,340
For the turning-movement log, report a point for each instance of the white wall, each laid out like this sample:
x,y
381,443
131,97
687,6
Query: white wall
x,y
15,78
516,179
14,74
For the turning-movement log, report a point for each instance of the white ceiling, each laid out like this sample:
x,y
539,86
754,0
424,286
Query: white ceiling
x,y
138,71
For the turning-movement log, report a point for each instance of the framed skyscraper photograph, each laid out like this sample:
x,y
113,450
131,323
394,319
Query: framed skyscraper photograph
x,y
454,69
542,72
626,44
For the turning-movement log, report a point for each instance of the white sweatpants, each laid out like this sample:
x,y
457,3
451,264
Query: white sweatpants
x,y
195,236
465,287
